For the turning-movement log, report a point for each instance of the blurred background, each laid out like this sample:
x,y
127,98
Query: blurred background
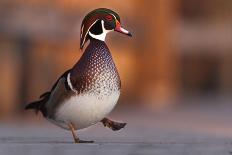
x,y
179,55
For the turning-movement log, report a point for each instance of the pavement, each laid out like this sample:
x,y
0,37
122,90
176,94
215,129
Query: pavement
x,y
192,130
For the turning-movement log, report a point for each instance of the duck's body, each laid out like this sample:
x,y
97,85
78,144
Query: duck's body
x,y
87,93
93,89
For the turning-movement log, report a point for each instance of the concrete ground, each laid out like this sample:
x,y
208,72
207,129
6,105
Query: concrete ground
x,y
192,130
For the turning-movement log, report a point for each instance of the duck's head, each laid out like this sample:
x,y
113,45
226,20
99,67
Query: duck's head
x,y
98,23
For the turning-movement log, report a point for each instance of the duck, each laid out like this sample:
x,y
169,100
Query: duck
x,y
85,94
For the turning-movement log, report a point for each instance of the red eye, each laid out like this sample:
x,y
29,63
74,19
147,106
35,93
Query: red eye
x,y
109,17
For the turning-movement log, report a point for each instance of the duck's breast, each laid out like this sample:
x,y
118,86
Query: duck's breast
x,y
86,109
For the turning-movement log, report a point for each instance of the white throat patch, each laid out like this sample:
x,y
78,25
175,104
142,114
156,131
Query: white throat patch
x,y
101,36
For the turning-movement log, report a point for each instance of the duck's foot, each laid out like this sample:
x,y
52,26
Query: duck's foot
x,y
76,139
112,124
83,141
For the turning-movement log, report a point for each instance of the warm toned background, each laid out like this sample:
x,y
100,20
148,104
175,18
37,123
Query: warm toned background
x,y
180,49
176,75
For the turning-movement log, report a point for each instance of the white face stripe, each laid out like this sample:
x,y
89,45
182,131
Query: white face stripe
x,y
82,28
88,31
113,16
101,36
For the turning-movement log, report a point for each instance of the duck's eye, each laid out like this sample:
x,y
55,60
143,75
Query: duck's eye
x,y
109,17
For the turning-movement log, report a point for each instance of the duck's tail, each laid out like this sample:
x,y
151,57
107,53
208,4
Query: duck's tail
x,y
38,106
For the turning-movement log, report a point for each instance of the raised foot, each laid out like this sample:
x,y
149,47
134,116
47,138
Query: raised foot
x,y
113,125
83,141
117,126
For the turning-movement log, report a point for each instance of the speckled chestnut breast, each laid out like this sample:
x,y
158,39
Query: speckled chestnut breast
x,y
95,72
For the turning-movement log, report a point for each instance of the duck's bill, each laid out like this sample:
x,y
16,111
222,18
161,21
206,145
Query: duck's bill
x,y
122,30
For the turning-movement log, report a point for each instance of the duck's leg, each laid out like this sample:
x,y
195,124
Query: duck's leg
x,y
76,139
112,124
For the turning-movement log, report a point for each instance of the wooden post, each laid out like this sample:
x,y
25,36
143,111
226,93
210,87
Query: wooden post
x,y
24,46
226,75
157,60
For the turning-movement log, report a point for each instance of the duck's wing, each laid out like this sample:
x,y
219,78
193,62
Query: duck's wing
x,y
39,105
64,75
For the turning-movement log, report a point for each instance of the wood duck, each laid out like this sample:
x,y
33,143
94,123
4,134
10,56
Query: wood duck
x,y
86,93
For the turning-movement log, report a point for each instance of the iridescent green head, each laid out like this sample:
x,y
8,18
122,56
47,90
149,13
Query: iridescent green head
x,y
98,23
